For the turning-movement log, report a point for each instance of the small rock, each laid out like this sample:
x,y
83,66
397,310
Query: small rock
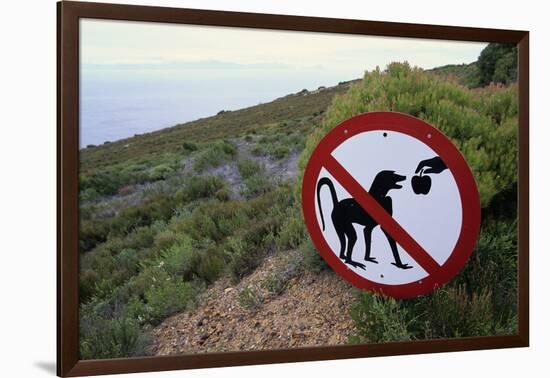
x,y
229,289
204,336
202,321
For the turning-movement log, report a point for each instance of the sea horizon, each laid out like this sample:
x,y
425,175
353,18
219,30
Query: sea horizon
x,y
117,104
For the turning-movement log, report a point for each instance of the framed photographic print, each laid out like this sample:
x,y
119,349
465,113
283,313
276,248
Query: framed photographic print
x,y
239,188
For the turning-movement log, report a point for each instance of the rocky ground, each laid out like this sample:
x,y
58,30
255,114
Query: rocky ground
x,y
277,169
312,310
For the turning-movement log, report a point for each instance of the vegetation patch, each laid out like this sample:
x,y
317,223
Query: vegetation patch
x,y
214,155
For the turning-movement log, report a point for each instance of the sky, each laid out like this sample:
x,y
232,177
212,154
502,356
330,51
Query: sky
x,y
126,44
139,77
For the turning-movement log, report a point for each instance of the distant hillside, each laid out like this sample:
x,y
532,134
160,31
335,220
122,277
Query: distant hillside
x,y
464,74
294,112
497,63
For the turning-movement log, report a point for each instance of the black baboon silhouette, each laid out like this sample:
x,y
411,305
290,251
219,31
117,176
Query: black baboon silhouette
x,y
348,211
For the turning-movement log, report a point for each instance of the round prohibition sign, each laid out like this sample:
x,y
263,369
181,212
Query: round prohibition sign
x,y
391,204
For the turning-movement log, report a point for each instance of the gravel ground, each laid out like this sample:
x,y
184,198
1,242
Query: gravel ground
x,y
312,311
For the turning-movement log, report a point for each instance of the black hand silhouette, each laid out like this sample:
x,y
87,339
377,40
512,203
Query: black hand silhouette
x,y
435,164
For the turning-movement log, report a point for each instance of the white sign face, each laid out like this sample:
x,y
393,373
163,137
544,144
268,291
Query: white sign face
x,y
402,174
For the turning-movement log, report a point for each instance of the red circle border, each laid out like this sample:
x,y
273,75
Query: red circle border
x,y
437,141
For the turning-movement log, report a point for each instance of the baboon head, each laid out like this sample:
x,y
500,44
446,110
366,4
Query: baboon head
x,y
385,181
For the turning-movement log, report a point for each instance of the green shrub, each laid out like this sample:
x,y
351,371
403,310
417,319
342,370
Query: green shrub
x,y
166,239
214,220
91,233
456,313
293,230
379,319
113,262
278,145
256,185
480,301
101,337
242,257
100,183
281,152
493,265
189,147
108,181
197,187
312,259
246,250
222,195
248,167
187,261
167,297
214,155
250,299
160,172
498,63
481,123
160,207
88,194
278,280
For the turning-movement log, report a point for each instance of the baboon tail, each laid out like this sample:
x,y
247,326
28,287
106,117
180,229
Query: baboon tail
x,y
325,181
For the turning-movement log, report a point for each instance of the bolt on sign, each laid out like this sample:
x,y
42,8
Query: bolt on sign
x,y
391,204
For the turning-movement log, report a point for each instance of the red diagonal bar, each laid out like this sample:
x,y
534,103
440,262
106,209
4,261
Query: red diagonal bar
x,y
380,215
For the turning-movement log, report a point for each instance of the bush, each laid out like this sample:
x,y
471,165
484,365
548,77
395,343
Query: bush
x,y
281,152
214,220
498,63
200,187
278,280
187,261
101,337
278,145
459,313
160,172
480,301
379,319
250,299
248,167
293,230
246,251
165,239
167,297
312,259
102,183
214,155
189,147
242,257
92,232
126,190
493,265
222,195
481,123
160,207
256,185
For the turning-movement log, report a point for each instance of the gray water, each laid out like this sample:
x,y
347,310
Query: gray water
x,y
119,103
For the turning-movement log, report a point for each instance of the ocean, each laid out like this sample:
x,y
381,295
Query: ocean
x,y
119,103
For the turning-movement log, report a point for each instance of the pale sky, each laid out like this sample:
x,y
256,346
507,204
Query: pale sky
x,y
107,42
